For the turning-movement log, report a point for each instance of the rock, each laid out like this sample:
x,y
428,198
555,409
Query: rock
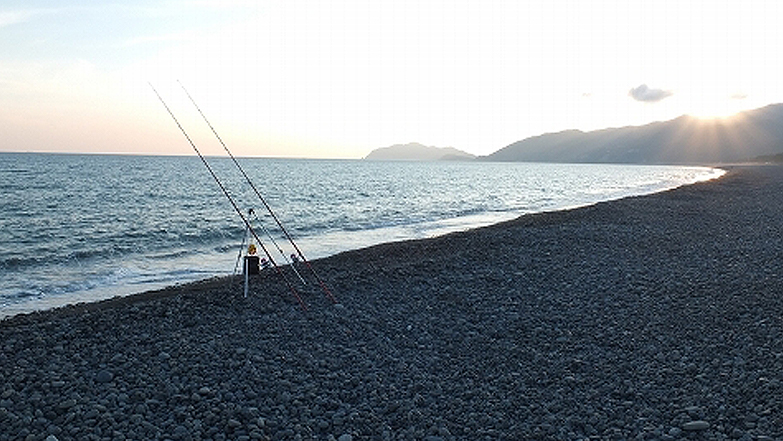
x,y
692,426
345,437
67,404
51,438
104,376
181,432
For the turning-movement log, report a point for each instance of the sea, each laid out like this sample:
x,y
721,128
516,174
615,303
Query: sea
x,y
81,228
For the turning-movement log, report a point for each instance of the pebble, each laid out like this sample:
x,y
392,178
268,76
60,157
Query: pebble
x,y
67,404
692,426
104,376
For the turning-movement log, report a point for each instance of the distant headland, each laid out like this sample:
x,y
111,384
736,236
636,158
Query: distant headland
x,y
418,152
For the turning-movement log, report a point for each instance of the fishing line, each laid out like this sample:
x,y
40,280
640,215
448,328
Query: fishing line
x,y
269,209
230,199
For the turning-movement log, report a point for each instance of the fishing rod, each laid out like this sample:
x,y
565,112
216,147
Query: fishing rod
x,y
274,242
230,199
269,209
241,249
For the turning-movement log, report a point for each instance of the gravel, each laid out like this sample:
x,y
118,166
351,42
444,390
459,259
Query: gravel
x,y
650,318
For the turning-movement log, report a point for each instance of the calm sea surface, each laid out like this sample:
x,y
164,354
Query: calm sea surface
x,y
79,228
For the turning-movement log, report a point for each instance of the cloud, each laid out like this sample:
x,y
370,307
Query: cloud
x,y
8,18
647,95
180,36
739,96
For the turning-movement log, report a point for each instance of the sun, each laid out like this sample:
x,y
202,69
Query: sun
x,y
713,108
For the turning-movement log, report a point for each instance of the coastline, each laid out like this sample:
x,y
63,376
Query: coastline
x,y
648,316
191,236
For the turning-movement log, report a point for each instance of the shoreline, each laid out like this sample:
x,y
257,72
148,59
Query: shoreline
x,y
651,316
367,238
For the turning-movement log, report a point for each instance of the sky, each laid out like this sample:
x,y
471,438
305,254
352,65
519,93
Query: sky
x,y
336,79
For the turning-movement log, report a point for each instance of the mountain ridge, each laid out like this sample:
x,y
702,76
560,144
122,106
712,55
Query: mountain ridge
x,y
682,140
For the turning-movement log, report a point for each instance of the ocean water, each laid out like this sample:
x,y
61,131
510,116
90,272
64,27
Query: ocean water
x,y
77,228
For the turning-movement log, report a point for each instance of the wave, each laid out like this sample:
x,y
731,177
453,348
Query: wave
x,y
159,222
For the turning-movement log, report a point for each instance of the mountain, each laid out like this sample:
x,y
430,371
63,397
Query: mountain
x,y
769,158
418,152
684,140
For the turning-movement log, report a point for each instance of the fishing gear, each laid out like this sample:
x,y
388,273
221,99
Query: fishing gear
x,y
250,212
231,200
261,198
241,249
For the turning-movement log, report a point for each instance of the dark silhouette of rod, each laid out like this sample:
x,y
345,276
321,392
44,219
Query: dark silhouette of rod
x,y
263,201
230,199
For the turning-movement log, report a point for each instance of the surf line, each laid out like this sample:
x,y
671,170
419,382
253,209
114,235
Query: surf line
x,y
263,201
231,200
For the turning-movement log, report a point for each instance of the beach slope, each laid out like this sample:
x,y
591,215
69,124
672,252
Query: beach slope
x,y
653,317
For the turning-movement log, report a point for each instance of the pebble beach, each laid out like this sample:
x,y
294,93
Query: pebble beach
x,y
657,317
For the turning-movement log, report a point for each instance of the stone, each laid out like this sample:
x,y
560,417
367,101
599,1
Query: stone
x,y
692,426
51,438
67,404
104,376
345,437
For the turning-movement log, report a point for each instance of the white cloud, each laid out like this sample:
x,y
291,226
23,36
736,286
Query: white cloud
x,y
645,94
8,18
145,39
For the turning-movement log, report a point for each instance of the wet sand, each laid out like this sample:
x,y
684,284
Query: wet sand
x,y
653,317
